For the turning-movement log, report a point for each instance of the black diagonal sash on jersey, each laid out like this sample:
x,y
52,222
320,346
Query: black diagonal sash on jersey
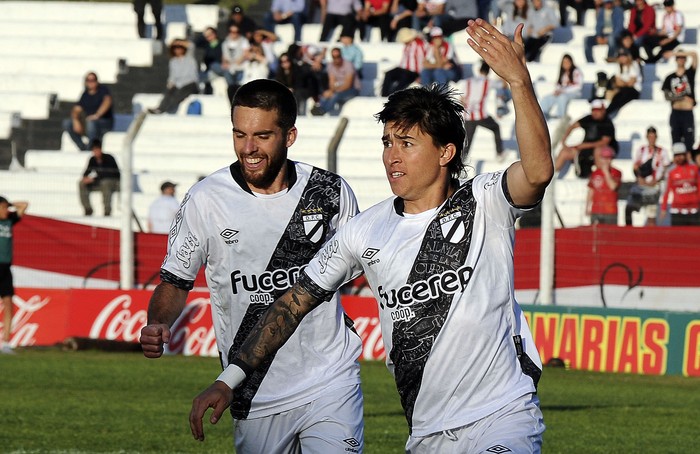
x,y
321,196
445,247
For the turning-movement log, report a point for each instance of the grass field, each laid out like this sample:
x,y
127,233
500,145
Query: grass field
x,y
90,401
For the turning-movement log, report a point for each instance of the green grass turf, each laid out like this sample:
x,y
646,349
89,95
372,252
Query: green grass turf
x,y
90,401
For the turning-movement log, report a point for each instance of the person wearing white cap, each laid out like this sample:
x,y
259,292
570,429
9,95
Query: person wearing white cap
x,y
598,130
439,62
163,209
682,188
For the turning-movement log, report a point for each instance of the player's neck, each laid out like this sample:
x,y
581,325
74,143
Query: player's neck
x,y
431,199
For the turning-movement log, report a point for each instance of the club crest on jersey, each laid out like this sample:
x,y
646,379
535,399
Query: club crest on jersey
x,y
313,225
452,226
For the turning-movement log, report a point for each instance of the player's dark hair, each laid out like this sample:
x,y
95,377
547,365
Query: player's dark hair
x,y
436,111
268,94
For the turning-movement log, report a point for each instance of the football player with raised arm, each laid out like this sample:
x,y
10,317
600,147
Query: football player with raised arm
x,y
439,259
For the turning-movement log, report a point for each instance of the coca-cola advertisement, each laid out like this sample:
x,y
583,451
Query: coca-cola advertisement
x,y
48,317
636,341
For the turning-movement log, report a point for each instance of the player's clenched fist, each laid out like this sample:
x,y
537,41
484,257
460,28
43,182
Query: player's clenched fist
x,y
152,339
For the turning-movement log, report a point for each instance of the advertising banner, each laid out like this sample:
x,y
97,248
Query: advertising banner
x,y
596,339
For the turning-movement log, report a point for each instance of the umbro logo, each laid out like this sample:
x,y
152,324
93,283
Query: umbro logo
x,y
352,443
369,253
228,236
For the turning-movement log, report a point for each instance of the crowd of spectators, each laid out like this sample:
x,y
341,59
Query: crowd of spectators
x,y
323,76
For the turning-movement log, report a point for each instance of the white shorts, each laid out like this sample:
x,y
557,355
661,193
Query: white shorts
x,y
330,424
516,428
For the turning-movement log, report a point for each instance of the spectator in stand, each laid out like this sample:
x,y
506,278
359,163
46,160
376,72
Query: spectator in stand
x,y
10,214
183,77
402,16
315,56
626,42
513,16
598,130
352,52
626,85
457,14
211,57
266,40
649,165
375,14
339,12
672,33
610,21
579,5
163,209
286,12
439,65
296,75
343,85
569,86
253,64
682,190
246,25
231,51
410,65
603,184
642,22
542,21
679,89
428,13
476,113
156,10
92,115
101,174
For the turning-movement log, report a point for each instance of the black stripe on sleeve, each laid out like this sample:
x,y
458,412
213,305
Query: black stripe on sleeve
x,y
170,278
313,288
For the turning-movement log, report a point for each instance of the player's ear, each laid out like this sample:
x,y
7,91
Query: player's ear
x,y
447,153
291,136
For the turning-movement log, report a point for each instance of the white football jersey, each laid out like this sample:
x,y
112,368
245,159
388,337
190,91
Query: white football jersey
x,y
253,247
457,342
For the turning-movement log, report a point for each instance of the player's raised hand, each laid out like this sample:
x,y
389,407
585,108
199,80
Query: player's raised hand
x,y
217,396
505,56
152,339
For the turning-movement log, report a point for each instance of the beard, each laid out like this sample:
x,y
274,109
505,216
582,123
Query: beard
x,y
267,176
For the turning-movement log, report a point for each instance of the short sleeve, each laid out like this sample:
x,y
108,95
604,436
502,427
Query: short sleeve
x,y
187,243
335,263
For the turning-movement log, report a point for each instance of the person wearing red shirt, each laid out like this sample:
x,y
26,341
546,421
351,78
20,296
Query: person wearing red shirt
x,y
601,204
642,22
682,185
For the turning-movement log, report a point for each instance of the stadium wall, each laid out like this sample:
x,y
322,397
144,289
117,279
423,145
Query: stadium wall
x,y
654,268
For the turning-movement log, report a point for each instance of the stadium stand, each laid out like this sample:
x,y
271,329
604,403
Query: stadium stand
x,y
38,83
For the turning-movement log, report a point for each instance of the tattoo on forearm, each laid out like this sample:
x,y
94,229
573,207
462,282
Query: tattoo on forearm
x,y
276,325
